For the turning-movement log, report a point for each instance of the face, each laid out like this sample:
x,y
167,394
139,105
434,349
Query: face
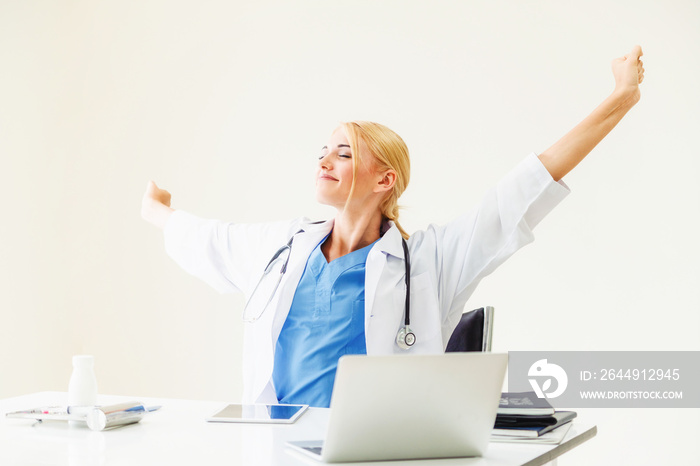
x,y
334,173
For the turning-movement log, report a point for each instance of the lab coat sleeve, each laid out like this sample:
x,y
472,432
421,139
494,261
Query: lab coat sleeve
x,y
224,255
473,245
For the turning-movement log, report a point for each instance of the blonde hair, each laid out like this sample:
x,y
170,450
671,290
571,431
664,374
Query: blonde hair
x,y
389,152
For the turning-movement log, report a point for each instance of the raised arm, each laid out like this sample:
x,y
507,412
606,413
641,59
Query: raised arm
x,y
155,205
567,152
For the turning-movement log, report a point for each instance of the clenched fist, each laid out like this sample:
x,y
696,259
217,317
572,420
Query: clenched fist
x,y
629,73
155,205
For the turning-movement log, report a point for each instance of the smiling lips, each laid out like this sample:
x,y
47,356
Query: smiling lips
x,y
325,176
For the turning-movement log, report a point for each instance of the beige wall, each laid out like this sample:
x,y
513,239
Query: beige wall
x,y
227,104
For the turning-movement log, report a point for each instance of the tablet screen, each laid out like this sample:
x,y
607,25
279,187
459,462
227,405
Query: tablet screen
x,y
258,413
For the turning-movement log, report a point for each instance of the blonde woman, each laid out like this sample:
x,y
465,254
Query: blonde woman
x,y
317,291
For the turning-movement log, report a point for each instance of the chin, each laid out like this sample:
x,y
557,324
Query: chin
x,y
321,198
325,199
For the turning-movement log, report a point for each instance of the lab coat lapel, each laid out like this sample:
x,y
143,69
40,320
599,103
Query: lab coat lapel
x,y
388,245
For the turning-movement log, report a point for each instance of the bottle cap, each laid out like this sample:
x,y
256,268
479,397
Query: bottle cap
x,y
83,360
107,417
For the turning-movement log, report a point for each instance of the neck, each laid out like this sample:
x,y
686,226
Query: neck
x,y
351,231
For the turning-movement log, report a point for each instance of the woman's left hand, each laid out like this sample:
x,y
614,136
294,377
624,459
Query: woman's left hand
x,y
567,152
629,73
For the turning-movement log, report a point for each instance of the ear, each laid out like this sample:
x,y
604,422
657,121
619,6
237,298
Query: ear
x,y
386,181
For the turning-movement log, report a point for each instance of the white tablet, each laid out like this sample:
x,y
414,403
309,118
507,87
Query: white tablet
x,y
275,414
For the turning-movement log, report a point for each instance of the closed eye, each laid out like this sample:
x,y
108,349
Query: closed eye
x,y
344,156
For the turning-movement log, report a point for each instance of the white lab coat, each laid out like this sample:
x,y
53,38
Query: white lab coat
x,y
447,263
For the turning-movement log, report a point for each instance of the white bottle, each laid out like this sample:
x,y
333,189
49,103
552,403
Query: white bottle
x,y
82,388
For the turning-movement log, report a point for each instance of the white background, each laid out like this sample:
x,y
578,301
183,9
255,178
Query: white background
x,y
227,103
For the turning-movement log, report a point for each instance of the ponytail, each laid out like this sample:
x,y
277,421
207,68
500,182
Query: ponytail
x,y
389,152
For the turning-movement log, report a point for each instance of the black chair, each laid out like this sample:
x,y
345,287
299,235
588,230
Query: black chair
x,y
473,332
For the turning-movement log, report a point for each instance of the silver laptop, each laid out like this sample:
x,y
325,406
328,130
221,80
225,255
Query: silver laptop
x,y
411,406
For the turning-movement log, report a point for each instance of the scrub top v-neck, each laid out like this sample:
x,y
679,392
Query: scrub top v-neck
x,y
326,321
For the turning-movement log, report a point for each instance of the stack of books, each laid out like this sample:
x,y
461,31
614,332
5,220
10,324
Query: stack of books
x,y
523,417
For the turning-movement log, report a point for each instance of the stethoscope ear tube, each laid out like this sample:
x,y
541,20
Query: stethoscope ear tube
x,y
247,317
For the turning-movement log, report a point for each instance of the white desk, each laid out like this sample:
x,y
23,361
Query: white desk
x,y
177,434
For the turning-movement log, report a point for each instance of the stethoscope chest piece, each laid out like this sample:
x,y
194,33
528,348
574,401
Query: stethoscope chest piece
x,y
405,338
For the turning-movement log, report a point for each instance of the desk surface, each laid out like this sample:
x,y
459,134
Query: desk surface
x,y
177,434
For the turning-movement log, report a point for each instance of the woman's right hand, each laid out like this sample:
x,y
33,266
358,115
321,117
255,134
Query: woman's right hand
x,y
155,205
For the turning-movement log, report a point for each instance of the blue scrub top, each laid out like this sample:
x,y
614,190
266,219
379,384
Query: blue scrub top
x,y
326,320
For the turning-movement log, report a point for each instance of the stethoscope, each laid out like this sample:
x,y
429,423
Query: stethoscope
x,y
404,339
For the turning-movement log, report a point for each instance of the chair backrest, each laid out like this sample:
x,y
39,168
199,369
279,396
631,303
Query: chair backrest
x,y
474,331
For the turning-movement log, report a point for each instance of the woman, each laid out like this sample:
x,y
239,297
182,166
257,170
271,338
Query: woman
x,y
317,291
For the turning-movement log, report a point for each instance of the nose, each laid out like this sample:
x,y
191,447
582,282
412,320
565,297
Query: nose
x,y
325,162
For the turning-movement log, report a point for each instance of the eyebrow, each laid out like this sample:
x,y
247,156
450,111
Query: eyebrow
x,y
339,145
